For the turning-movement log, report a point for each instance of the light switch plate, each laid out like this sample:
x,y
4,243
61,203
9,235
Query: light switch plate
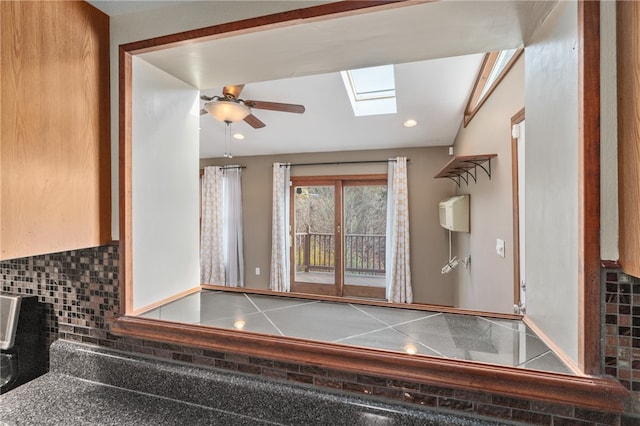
x,y
500,247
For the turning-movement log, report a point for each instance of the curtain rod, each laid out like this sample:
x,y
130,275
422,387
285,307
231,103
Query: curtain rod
x,y
337,163
223,168
227,167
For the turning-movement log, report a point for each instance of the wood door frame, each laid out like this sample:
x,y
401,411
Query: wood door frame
x,y
516,119
589,186
350,290
593,392
339,182
301,287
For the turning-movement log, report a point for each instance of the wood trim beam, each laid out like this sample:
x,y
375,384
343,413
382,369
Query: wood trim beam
x,y
589,186
488,62
589,392
125,180
475,102
282,19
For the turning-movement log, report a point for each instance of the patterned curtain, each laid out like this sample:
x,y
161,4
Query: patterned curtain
x,y
211,227
279,280
397,249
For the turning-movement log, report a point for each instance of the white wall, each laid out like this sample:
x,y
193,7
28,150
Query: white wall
x,y
165,185
551,105
169,20
488,284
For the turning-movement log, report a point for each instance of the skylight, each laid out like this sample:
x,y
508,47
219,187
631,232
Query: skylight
x,y
501,62
371,91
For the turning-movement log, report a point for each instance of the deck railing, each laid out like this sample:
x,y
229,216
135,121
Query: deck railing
x,y
364,253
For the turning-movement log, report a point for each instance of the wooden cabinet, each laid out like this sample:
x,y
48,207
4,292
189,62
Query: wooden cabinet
x,y
628,39
55,128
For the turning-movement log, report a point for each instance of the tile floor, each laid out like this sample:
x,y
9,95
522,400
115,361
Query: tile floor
x,y
456,336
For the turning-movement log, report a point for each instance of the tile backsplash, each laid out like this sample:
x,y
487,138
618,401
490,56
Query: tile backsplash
x,y
621,330
78,289
80,293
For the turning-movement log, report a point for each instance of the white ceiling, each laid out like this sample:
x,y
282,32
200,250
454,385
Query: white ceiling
x,y
436,47
431,92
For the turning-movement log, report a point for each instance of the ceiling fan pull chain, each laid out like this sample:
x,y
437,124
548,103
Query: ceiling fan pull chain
x,y
227,140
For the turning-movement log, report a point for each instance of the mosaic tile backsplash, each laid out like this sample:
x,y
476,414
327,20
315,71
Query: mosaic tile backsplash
x,y
621,330
78,289
80,292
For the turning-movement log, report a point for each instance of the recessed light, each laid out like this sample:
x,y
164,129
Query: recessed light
x,y
410,123
410,349
238,136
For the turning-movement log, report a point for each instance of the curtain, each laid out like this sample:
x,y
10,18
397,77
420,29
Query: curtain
x,y
398,273
279,279
221,250
232,224
211,227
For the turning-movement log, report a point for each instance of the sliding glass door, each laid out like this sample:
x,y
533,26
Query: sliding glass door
x,y
338,235
315,256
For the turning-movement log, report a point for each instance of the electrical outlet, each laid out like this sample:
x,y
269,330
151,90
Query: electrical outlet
x,y
500,247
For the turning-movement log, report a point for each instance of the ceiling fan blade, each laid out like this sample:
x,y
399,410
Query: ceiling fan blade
x,y
253,121
206,98
275,106
203,111
232,91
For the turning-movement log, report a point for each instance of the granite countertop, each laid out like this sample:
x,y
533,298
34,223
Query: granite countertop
x,y
58,399
90,385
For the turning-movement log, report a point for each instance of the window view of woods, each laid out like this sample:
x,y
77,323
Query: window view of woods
x,y
314,228
365,216
362,208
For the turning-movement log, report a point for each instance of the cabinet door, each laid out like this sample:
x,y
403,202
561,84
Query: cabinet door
x,y
629,135
55,129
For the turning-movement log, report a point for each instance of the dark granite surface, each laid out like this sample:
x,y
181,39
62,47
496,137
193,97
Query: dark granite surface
x,y
57,399
90,385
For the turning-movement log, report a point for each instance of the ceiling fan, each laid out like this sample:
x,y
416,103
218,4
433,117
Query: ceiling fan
x,y
230,108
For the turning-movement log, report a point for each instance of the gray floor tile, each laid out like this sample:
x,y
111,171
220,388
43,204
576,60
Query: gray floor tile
x,y
393,316
224,305
456,336
186,310
323,321
387,338
548,362
266,303
254,322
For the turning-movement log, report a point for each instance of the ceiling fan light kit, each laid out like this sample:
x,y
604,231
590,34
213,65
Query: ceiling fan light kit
x,y
227,110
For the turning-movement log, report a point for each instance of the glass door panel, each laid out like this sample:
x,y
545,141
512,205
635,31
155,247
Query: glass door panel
x,y
314,242
365,212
